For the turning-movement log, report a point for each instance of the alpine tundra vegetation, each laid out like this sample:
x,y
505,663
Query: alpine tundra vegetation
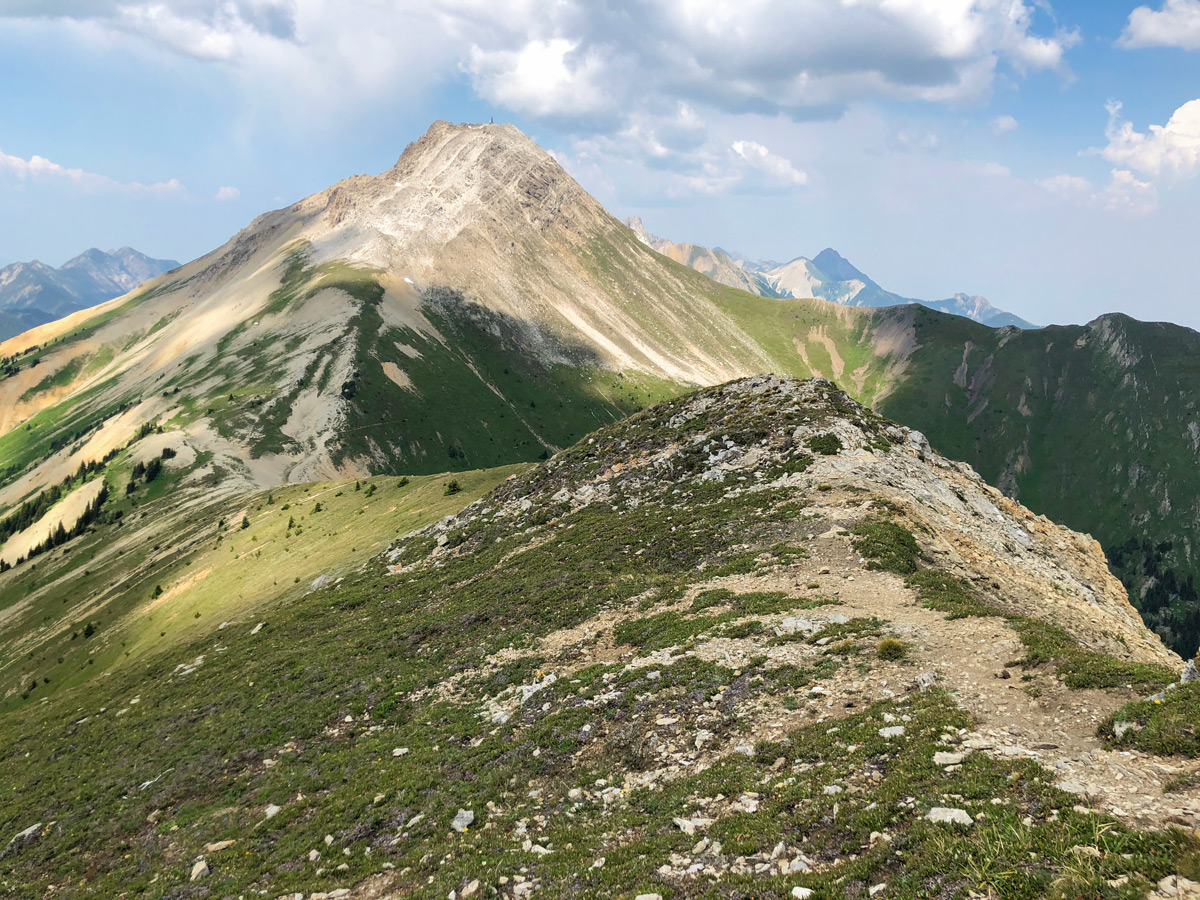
x,y
755,641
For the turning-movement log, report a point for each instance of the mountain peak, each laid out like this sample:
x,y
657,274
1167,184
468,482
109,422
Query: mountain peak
x,y
472,183
837,266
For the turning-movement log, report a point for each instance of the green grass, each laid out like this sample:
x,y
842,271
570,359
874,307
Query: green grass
x,y
419,656
888,546
1164,727
209,572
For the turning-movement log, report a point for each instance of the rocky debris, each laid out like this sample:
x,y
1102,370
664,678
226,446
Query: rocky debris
x,y
948,814
320,582
689,826
892,731
217,847
462,820
25,838
1120,728
925,681
272,811
189,668
1176,887
199,870
1189,673
945,758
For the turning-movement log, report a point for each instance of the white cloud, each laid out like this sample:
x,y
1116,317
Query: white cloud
x,y
1004,124
39,169
227,193
915,140
988,169
1171,150
776,169
1175,24
549,79
1068,185
1124,193
600,63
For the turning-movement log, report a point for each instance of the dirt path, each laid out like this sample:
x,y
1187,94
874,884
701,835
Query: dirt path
x,y
1057,727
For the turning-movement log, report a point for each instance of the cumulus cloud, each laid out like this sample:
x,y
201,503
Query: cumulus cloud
x,y
1124,193
621,80
39,169
776,169
1171,150
1004,124
1175,24
227,193
583,60
803,58
555,78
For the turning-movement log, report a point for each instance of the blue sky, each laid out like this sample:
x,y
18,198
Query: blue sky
x,y
1044,155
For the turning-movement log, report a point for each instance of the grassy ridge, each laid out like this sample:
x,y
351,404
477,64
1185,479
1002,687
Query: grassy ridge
x,y
364,712
166,573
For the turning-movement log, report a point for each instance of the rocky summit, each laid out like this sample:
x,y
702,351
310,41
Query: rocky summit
x,y
756,641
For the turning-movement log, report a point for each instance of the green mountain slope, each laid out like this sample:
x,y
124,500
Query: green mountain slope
x,y
703,653
1091,425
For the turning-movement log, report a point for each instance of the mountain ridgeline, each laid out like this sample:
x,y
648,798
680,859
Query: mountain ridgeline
x,y
756,641
827,276
473,307
34,293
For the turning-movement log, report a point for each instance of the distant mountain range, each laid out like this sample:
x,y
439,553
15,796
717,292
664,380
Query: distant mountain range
x,y
828,276
33,293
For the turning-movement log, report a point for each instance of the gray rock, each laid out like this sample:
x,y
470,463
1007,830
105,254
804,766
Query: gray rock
x,y
1189,673
951,815
943,758
22,838
920,443
1072,787
321,582
926,680
463,820
1119,728
794,624
891,731
648,897
199,870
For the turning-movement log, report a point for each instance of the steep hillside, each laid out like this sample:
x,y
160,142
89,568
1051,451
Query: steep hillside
x,y
33,293
473,307
753,642
1093,425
